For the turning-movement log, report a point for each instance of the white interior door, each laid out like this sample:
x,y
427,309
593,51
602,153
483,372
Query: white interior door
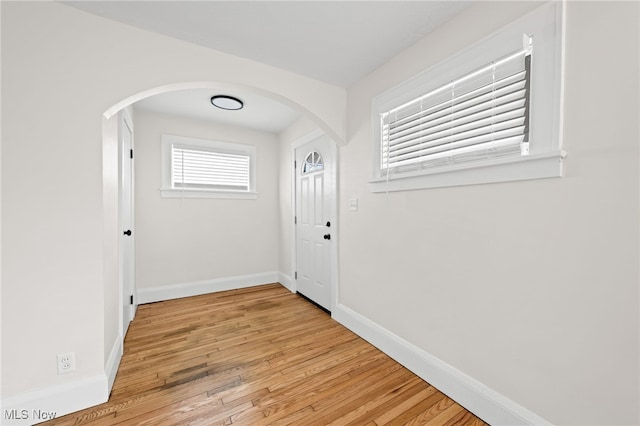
x,y
126,218
315,198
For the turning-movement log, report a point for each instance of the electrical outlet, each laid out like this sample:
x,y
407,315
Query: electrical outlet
x,y
66,362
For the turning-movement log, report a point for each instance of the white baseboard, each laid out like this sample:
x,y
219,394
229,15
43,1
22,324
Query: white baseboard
x,y
195,288
286,282
491,406
55,401
111,368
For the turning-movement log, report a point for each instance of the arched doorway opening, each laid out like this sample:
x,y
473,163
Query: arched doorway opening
x,y
114,156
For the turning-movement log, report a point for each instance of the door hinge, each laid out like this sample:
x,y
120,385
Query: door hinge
x,y
295,220
131,153
295,275
295,164
131,299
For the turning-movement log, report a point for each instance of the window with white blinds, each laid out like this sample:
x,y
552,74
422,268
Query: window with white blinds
x,y
483,114
489,113
199,168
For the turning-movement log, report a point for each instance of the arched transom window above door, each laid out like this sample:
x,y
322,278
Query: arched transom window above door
x,y
313,163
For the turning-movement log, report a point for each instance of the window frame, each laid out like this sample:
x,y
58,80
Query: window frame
x,y
312,154
168,191
545,24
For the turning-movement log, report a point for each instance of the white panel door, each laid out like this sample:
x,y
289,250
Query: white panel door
x,y
315,195
126,218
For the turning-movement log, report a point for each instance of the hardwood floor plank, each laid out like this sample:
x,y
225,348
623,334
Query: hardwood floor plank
x,y
299,417
259,356
437,414
463,418
338,404
364,413
425,404
445,416
179,410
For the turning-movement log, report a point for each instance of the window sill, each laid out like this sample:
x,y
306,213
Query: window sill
x,y
535,166
204,193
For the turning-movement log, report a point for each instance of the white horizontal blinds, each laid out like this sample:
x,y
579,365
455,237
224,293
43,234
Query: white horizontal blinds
x,y
196,168
481,115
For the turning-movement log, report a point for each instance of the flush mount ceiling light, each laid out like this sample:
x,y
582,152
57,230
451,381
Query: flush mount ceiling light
x,y
226,102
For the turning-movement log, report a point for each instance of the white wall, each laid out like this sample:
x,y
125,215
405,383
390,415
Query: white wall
x,y
61,70
187,240
531,287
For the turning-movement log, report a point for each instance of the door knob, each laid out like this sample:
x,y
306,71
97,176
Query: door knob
x,y
327,236
127,232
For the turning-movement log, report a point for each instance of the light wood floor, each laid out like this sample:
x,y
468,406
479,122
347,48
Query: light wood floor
x,y
259,356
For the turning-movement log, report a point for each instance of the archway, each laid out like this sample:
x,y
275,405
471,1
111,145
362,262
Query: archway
x,y
229,87
112,246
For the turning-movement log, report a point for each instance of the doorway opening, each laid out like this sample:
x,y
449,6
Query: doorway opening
x,y
122,294
315,223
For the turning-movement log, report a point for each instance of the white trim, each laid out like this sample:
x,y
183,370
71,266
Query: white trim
x,y
125,119
314,134
60,399
196,288
286,281
113,363
559,113
207,193
334,180
167,189
546,25
534,166
491,406
335,210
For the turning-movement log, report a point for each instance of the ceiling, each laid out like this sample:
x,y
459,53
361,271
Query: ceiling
x,y
338,42
259,112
